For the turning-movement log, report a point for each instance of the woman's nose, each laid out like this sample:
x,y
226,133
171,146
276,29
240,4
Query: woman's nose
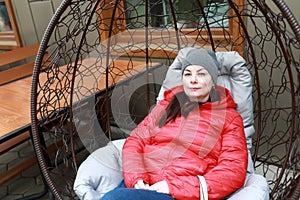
x,y
194,79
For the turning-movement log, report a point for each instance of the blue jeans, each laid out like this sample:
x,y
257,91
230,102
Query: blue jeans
x,y
123,193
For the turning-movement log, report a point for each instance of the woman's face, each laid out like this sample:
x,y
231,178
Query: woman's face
x,y
197,83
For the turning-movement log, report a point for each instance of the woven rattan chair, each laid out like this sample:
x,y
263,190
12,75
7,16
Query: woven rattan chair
x,y
100,53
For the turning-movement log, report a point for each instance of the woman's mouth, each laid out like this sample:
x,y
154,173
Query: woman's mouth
x,y
194,88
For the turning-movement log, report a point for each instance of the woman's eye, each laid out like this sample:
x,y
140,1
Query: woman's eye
x,y
187,74
201,74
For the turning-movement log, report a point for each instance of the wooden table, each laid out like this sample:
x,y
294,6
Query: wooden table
x,y
14,111
15,100
15,114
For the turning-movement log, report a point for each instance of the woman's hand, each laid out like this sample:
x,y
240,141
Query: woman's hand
x,y
161,186
140,184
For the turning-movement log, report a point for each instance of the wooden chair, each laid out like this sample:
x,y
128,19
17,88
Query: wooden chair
x,y
105,52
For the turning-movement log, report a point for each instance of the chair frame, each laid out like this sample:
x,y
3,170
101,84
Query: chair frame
x,y
59,91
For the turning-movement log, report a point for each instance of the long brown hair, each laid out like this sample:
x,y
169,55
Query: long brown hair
x,y
180,105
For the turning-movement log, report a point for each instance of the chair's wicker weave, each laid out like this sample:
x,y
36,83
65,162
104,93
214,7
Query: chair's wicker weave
x,y
85,36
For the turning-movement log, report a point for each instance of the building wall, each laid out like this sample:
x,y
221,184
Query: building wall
x,y
33,17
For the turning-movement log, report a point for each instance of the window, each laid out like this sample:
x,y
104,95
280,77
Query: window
x,y
9,34
5,24
188,14
192,21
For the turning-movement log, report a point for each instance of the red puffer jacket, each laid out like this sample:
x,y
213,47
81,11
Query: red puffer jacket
x,y
209,142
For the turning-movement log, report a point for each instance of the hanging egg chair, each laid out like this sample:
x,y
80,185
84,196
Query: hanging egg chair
x,y
98,54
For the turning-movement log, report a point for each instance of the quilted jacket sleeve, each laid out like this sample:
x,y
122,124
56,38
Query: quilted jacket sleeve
x,y
230,173
133,165
132,153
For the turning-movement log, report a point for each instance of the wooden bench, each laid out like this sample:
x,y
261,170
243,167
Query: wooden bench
x,y
16,67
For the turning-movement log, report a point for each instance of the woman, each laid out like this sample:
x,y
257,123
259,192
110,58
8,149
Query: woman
x,y
191,146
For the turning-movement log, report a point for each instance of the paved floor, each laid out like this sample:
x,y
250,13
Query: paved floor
x,y
30,181
25,184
